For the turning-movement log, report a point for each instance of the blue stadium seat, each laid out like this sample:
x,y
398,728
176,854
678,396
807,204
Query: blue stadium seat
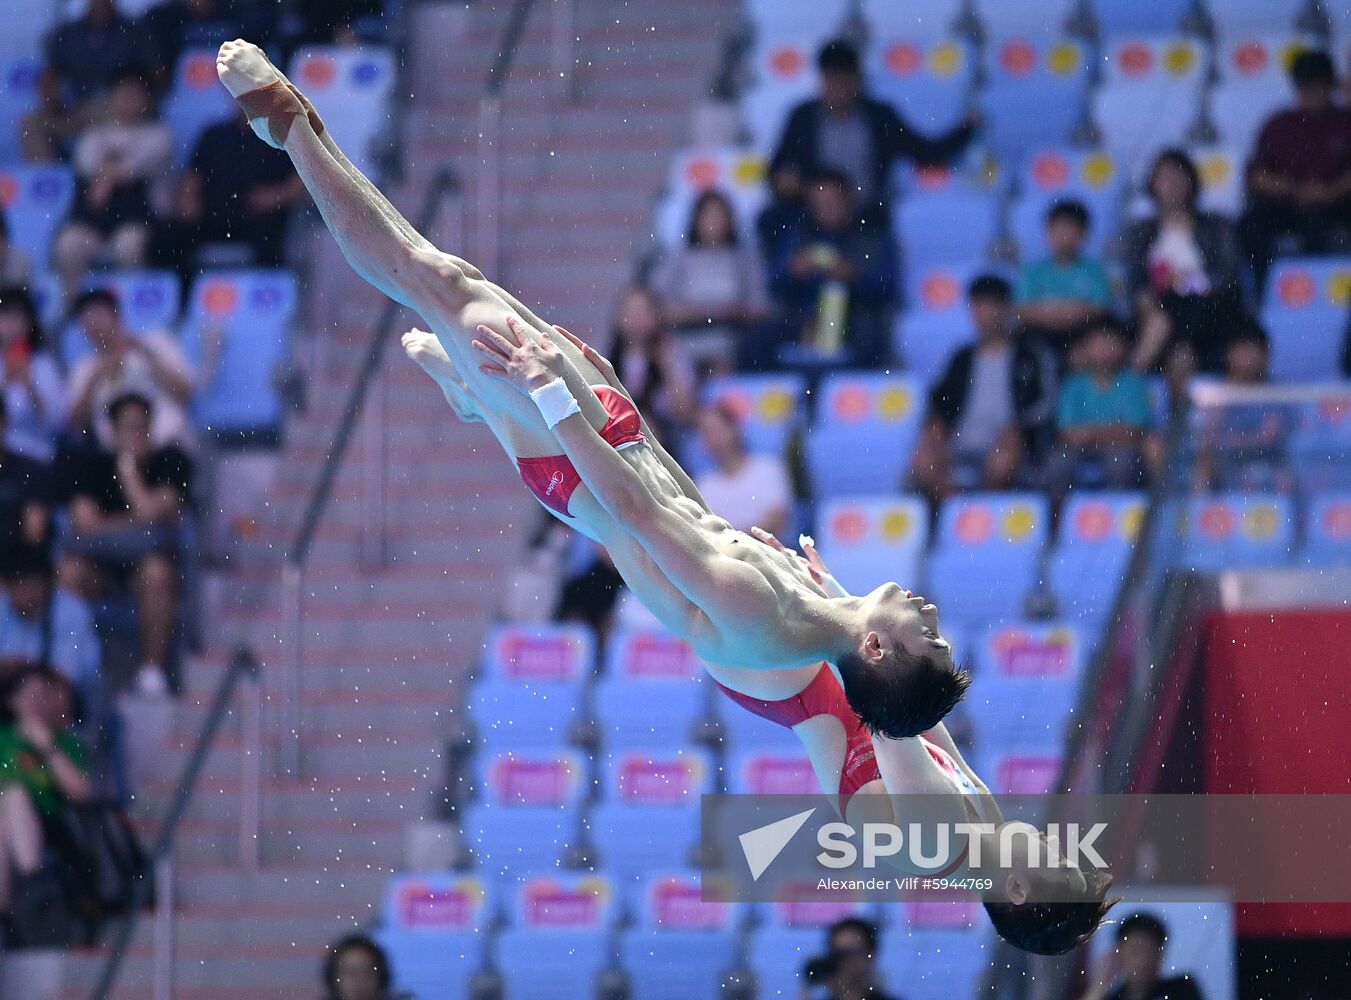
x,y
1230,16
1025,686
1327,531
1092,549
869,541
560,933
1238,110
940,289
649,810
196,101
927,80
680,946
1034,95
946,228
1150,96
36,200
865,432
531,690
935,956
1321,442
18,92
783,69
1000,19
1091,176
243,319
27,23
350,89
737,172
926,341
816,20
1239,531
148,300
1222,170
926,18
525,810
771,770
778,751
987,556
1259,59
770,406
652,713
1157,17
433,926
1304,310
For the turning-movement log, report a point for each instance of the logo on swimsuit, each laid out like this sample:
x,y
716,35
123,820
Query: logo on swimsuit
x,y
555,481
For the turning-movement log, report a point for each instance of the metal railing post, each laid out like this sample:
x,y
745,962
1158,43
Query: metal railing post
x,y
564,31
250,772
373,476
163,973
292,612
489,180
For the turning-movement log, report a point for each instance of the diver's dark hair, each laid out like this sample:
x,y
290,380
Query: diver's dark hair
x,y
1053,928
902,695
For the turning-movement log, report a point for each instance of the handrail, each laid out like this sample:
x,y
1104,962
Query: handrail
x,y
506,50
242,666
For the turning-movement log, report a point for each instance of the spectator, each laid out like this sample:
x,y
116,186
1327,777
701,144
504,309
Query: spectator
x,y
1182,274
1241,445
357,969
46,131
116,162
42,767
174,26
14,266
834,279
852,951
783,215
25,500
1059,295
40,623
31,385
1299,178
240,190
712,288
992,408
845,131
126,508
747,489
89,53
326,22
650,363
1103,418
150,363
1137,963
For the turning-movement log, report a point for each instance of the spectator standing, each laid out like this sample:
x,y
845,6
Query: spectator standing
x,y
31,385
41,623
240,190
1137,963
174,26
835,279
89,53
149,363
851,946
651,365
1103,419
357,969
116,162
992,408
844,130
1299,177
1182,274
1059,295
747,489
25,501
126,505
712,288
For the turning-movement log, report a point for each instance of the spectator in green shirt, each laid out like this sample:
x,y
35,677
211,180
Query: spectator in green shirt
x,y
1060,295
41,767
1102,419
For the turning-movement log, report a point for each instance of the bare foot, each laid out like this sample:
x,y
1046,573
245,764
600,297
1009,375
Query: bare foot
x,y
243,67
425,349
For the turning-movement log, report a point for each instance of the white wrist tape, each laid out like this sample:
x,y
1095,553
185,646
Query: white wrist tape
x,y
555,402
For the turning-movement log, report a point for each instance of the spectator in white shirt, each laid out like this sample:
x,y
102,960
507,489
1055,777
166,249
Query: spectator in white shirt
x,y
747,489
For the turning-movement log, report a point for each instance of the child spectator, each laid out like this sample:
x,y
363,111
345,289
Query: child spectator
x,y
31,385
40,623
1103,418
747,489
834,279
1059,295
150,363
116,162
1242,445
712,288
992,408
126,506
651,365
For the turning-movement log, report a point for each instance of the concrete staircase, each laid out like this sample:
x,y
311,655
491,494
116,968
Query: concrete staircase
x,y
386,647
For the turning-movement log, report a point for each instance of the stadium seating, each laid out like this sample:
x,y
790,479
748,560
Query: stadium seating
x,y
1092,177
1092,549
938,951
647,818
525,811
943,228
1258,60
1238,110
196,101
926,18
736,172
925,341
1320,441
1304,311
36,201
1000,19
27,23
869,541
1239,531
1222,170
986,557
864,434
816,20
680,946
350,88
784,73
770,407
559,933
652,694
771,770
1327,531
433,926
531,688
1034,94
1150,95
238,326
1157,17
147,300
927,80
1228,16
18,92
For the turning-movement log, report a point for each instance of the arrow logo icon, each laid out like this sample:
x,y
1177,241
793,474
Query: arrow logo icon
x,y
763,844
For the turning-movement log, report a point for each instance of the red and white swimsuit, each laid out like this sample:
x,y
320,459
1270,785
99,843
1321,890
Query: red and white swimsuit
x,y
553,478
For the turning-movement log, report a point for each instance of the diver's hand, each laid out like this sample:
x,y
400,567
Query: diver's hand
x,y
518,358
